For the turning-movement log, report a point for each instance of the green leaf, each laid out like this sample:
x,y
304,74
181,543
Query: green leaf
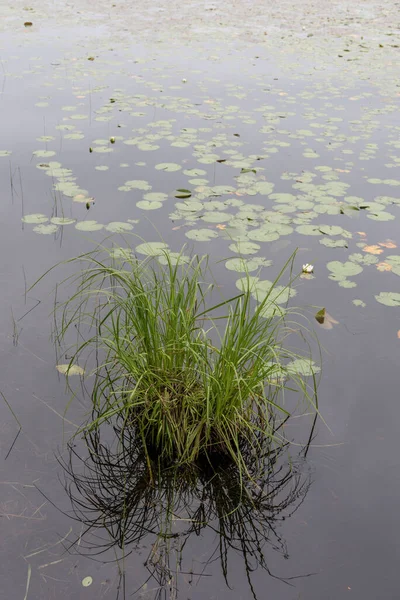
x,y
201,235
182,193
389,298
152,248
344,269
168,167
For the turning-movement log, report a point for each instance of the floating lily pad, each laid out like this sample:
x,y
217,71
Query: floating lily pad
x,y
43,153
148,205
121,253
173,258
247,265
358,302
152,248
45,229
329,243
216,217
155,196
89,226
389,298
168,167
119,227
244,247
201,235
5,153
35,218
344,269
135,184
309,230
302,366
62,221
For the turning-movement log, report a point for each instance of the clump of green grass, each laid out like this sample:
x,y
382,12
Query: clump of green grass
x,y
194,378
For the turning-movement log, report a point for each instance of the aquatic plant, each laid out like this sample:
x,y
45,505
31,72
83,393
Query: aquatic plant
x,y
193,377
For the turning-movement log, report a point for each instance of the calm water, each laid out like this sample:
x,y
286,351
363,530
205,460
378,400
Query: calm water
x,y
312,106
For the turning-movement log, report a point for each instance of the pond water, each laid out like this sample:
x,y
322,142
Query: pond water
x,y
281,124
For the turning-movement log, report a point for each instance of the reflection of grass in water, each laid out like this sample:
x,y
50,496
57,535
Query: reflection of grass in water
x,y
123,502
191,382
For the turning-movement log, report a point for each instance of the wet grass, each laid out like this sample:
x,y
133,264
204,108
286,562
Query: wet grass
x,y
194,378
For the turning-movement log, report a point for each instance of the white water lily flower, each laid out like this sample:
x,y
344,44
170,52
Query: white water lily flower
x,y
308,268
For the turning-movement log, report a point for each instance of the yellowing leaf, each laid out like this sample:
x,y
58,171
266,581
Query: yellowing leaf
x,y
388,244
70,370
372,249
398,334
383,266
221,226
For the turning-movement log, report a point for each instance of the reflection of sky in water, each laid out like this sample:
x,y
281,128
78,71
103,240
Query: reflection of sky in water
x,y
324,123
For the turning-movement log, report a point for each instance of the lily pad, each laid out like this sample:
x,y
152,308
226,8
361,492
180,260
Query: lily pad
x,y
247,265
89,226
35,218
344,269
168,167
201,235
119,227
148,205
45,229
389,298
152,248
303,367
62,221
244,247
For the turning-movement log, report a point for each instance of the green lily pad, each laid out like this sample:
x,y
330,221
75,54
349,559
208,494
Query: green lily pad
x,y
344,269
244,247
247,265
173,258
155,196
329,243
119,227
358,302
5,153
201,235
35,218
389,298
148,205
45,229
62,221
303,367
89,226
168,167
43,153
309,230
331,229
135,184
216,217
152,248
121,253
194,172
363,259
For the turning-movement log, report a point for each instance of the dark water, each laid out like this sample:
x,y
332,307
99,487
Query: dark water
x,y
245,98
